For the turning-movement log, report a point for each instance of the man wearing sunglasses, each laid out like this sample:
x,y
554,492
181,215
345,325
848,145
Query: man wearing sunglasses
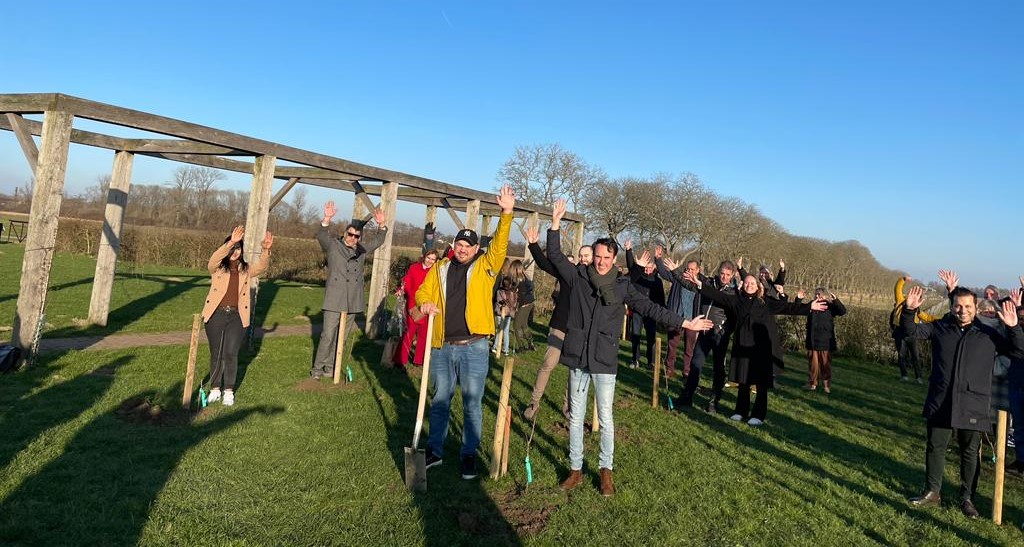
x,y
346,258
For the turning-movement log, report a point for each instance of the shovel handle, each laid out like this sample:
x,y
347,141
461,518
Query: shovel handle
x,y
424,380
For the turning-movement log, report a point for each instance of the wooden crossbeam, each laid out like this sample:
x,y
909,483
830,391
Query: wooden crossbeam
x,y
21,132
451,213
282,192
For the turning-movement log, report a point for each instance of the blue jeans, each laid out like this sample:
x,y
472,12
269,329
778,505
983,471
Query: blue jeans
x,y
468,365
579,386
503,325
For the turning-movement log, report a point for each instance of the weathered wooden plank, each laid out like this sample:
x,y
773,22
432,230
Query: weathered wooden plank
x,y
473,215
256,221
30,103
110,238
380,276
21,132
178,146
361,195
78,136
47,195
451,213
282,192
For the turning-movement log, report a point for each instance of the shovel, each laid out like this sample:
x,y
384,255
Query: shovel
x,y
415,457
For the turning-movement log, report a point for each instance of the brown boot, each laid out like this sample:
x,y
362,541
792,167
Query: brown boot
x,y
574,480
607,486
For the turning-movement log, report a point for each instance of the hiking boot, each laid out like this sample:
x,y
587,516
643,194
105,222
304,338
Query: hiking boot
x,y
469,467
929,498
529,412
432,460
229,397
712,408
574,480
214,396
607,486
967,508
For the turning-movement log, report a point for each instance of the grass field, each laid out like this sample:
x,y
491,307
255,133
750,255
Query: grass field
x,y
295,463
144,299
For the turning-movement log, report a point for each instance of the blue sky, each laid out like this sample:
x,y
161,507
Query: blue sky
x,y
898,124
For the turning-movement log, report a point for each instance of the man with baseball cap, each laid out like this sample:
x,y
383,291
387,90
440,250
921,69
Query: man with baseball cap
x,y
458,290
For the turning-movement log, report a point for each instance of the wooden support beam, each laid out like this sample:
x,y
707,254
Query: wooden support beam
x,y
359,210
473,215
485,228
47,195
451,213
379,278
78,136
21,132
520,224
361,195
578,234
110,238
179,146
283,192
256,221
31,103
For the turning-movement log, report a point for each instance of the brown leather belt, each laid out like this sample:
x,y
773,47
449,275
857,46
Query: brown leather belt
x,y
465,342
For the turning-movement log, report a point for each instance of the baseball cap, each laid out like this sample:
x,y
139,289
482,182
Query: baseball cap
x,y
469,236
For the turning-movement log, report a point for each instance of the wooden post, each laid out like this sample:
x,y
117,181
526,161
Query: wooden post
x,y
190,368
505,441
625,321
110,238
256,222
595,423
473,215
500,423
359,210
657,371
24,136
47,195
997,495
381,274
339,352
485,228
578,234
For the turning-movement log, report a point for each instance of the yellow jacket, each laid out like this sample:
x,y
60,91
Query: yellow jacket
x,y
897,309
479,287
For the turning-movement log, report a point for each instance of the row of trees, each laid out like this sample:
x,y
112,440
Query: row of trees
x,y
689,219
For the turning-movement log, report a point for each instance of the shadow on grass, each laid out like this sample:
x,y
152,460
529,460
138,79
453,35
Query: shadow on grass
x,y
99,491
454,511
66,285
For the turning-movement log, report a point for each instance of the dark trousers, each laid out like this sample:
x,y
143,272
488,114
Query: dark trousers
x,y
760,402
714,342
326,351
674,337
906,355
224,332
648,327
935,459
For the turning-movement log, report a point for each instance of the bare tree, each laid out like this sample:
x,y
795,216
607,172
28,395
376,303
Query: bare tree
x,y
541,173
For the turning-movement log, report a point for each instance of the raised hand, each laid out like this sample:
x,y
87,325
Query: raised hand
x,y
782,265
670,264
658,251
698,323
532,235
379,217
950,278
914,297
557,212
1015,297
801,294
1022,281
832,296
739,263
238,234
268,240
692,278
329,211
645,259
506,199
628,245
819,305
1008,314
779,289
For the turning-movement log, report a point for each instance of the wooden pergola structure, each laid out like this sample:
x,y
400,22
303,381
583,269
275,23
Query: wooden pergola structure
x,y
209,147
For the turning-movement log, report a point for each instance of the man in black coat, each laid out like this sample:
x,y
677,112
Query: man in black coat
x,y
646,280
959,389
591,347
821,340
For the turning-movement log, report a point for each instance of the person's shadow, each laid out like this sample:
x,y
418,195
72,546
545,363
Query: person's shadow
x,y
103,472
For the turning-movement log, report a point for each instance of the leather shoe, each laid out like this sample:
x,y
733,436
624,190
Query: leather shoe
x,y
930,498
607,486
574,480
967,508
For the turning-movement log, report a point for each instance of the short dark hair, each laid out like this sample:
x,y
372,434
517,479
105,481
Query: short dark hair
x,y
962,291
727,264
357,227
693,261
609,244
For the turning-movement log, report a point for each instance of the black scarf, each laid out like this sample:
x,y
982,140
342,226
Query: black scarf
x,y
605,285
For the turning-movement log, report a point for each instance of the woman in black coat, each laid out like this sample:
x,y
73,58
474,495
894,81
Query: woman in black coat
x,y
821,340
756,348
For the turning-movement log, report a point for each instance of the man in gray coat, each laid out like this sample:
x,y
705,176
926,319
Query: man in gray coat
x,y
345,292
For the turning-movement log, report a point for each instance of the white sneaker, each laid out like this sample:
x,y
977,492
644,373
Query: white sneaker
x,y
736,418
213,397
753,421
229,398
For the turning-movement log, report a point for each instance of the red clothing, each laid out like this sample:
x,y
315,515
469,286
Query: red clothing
x,y
413,329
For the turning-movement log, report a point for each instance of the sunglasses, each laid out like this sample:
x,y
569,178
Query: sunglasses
x,y
352,235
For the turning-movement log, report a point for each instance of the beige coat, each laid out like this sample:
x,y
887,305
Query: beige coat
x,y
221,278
